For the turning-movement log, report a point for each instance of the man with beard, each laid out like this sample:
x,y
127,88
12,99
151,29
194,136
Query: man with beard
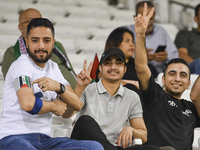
x,y
58,54
169,119
30,96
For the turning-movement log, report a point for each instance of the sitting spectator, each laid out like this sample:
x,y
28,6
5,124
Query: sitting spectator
x,y
123,38
170,120
188,44
32,85
108,107
58,55
156,36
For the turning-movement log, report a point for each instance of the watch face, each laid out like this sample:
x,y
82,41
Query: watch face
x,y
62,88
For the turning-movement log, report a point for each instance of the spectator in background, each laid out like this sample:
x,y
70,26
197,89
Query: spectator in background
x,y
59,55
169,119
188,44
156,36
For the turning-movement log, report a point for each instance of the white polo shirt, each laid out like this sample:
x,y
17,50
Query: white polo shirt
x,y
111,113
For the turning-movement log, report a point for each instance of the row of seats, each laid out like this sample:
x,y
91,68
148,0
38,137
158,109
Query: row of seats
x,y
74,39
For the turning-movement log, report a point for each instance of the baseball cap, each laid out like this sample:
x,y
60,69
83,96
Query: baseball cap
x,y
112,51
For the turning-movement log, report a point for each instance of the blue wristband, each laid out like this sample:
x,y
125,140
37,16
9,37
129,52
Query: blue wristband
x,y
37,106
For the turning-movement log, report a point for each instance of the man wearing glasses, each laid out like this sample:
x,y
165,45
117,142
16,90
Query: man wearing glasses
x,y
59,55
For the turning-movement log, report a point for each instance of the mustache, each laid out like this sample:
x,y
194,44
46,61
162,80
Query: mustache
x,y
113,70
45,51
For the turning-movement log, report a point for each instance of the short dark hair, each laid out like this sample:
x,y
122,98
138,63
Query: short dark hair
x,y
176,60
40,22
141,4
116,37
197,10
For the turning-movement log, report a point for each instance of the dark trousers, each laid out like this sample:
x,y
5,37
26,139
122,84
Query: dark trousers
x,y
86,128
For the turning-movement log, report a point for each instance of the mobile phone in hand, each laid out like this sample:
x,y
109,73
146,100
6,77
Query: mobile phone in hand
x,y
160,48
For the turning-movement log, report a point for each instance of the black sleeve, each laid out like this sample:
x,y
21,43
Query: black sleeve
x,y
151,96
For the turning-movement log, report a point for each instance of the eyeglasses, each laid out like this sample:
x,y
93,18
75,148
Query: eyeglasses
x,y
27,21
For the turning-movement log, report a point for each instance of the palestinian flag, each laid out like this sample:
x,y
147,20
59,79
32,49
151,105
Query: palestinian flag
x,y
22,81
94,68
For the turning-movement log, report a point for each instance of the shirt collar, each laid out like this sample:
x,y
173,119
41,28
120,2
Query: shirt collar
x,y
101,89
35,65
195,30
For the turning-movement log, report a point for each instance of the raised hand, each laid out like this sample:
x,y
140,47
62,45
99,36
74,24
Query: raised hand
x,y
142,21
83,78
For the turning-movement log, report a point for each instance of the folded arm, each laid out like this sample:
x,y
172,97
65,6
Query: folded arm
x,y
27,102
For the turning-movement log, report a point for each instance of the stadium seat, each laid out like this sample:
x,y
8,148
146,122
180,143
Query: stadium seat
x,y
85,46
122,15
68,44
113,24
61,127
171,29
75,22
9,28
196,142
70,32
98,34
87,12
91,3
60,3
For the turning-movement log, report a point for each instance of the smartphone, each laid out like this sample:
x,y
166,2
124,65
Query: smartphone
x,y
160,48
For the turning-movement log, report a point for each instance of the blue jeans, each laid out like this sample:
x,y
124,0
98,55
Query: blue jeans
x,y
195,66
37,141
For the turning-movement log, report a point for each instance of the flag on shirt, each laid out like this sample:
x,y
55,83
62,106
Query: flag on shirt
x,y
94,68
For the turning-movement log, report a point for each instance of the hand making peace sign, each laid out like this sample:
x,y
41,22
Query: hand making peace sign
x,y
142,21
83,78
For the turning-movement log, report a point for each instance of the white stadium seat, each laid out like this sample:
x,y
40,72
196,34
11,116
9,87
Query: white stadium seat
x,y
98,34
85,46
171,29
87,12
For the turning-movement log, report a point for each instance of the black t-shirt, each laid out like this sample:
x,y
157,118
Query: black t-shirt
x,y
130,73
169,121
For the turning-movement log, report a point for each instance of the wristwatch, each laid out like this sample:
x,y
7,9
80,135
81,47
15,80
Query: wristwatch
x,y
62,89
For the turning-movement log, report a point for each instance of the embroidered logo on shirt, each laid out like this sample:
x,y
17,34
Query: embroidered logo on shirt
x,y
172,103
187,112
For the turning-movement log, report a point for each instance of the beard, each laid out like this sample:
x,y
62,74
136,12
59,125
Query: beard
x,y
175,94
41,59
